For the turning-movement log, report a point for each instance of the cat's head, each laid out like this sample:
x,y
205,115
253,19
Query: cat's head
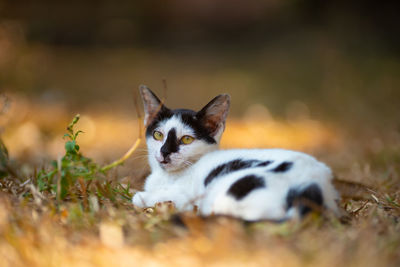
x,y
177,138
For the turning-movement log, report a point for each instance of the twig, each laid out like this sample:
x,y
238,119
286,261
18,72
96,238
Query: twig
x,y
135,145
124,157
138,114
165,89
360,208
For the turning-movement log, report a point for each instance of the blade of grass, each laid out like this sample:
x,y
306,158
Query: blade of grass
x,y
123,158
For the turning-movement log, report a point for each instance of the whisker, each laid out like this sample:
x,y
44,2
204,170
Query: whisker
x,y
188,163
139,157
141,154
142,149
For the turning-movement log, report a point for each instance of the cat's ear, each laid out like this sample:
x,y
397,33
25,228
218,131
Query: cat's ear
x,y
152,105
213,115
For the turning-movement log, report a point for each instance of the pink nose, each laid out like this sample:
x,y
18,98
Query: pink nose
x,y
166,160
163,160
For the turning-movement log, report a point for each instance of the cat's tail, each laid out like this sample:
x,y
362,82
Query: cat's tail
x,y
302,200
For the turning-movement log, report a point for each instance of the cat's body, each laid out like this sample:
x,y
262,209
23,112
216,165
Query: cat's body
x,y
251,184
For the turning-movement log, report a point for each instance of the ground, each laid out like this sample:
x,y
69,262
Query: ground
x,y
95,224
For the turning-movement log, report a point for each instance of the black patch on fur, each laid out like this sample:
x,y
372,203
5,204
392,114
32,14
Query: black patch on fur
x,y
171,145
214,173
188,117
264,163
305,199
283,167
231,166
245,185
162,115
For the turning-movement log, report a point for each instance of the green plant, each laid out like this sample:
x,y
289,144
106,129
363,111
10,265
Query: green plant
x,y
75,169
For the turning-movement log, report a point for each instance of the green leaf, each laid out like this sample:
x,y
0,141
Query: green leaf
x,y
70,146
64,184
74,121
67,135
42,184
77,133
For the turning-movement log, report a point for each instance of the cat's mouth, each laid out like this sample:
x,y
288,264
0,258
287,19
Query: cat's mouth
x,y
163,160
164,163
168,165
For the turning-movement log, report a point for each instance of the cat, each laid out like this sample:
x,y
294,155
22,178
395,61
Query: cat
x,y
188,169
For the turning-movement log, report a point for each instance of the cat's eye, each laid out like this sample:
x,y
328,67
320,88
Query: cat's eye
x,y
187,139
158,135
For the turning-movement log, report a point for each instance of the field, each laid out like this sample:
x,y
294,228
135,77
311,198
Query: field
x,y
94,223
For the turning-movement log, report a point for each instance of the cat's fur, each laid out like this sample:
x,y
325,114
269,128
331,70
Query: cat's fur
x,y
251,184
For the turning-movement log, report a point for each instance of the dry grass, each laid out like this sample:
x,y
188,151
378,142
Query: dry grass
x,y
38,230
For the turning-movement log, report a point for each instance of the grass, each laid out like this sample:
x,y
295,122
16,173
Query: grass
x,y
74,211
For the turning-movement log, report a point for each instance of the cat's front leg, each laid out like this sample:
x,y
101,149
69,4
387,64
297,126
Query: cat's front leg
x,y
146,199
140,199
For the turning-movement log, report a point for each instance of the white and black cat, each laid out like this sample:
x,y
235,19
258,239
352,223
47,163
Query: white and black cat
x,y
252,184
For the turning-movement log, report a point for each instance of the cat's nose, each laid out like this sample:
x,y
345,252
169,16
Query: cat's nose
x,y
167,150
166,160
163,159
171,145
165,154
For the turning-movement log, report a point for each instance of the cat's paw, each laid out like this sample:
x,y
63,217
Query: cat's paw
x,y
165,205
139,199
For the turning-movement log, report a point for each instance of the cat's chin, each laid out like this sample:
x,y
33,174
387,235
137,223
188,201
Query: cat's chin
x,y
169,167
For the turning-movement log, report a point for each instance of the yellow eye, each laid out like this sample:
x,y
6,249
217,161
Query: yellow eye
x,y
158,135
186,139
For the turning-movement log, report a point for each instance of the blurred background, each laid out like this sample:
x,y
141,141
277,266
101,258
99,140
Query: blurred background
x,y
315,75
